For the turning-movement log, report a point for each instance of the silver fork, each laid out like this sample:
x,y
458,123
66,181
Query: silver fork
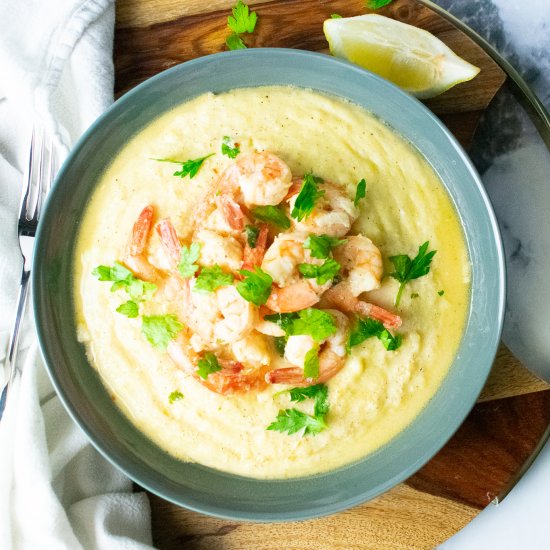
x,y
37,183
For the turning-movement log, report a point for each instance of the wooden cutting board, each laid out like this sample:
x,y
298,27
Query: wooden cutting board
x,y
496,442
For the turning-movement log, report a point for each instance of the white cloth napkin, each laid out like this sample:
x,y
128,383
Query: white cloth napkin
x,y
56,491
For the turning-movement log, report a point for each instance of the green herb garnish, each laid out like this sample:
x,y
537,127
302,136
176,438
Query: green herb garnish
x,y
188,167
160,329
243,21
208,365
175,396
211,278
129,308
189,255
255,287
308,195
311,363
319,392
252,233
280,344
228,146
377,4
361,192
271,214
367,328
293,420
415,295
321,245
441,292
311,322
407,269
322,273
335,16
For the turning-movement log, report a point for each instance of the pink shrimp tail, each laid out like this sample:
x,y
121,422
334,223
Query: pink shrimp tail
x,y
232,212
169,239
294,188
390,320
140,231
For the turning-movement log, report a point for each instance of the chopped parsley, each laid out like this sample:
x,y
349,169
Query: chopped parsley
x,y
252,233
361,192
407,269
377,4
293,420
175,396
367,328
308,195
335,16
212,278
321,245
242,21
129,308
441,292
160,329
321,273
229,147
415,295
311,322
208,365
271,214
188,167
255,287
311,363
280,344
189,255
122,278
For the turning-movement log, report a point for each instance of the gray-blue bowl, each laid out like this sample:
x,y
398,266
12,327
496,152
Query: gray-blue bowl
x,y
197,487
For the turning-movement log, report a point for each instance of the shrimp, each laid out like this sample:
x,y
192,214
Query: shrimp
x,y
331,356
362,268
334,213
226,251
233,376
253,257
256,179
281,262
136,258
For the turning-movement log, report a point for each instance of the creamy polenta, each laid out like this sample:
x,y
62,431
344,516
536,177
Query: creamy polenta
x,y
378,392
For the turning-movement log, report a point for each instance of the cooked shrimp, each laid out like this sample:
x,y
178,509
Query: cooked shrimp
x,y
334,213
253,257
252,350
362,268
256,179
226,251
136,258
332,353
267,327
233,377
291,292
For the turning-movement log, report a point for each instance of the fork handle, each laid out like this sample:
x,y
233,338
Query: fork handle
x,y
14,338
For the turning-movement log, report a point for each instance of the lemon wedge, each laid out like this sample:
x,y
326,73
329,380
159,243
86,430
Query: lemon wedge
x,y
410,57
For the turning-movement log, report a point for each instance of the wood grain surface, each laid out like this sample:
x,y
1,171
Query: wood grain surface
x,y
489,451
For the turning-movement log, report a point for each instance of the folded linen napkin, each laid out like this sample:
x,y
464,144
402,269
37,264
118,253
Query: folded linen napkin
x,y
56,491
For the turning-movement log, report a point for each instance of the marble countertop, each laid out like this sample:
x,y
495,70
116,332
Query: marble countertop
x,y
515,168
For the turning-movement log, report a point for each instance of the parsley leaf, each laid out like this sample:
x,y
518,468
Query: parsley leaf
x,y
319,392
175,396
160,329
208,365
242,20
293,420
189,255
315,323
117,273
283,320
335,16
271,214
211,278
252,233
407,269
188,167
228,146
256,286
322,273
308,195
235,42
280,344
311,363
367,328
441,292
361,192
129,308
321,245
377,4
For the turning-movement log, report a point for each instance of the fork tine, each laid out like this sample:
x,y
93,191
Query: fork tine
x,y
47,174
34,178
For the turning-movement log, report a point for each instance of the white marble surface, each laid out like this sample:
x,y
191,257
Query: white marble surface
x,y
515,168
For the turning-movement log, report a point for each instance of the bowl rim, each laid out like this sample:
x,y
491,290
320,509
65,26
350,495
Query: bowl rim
x,y
221,511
